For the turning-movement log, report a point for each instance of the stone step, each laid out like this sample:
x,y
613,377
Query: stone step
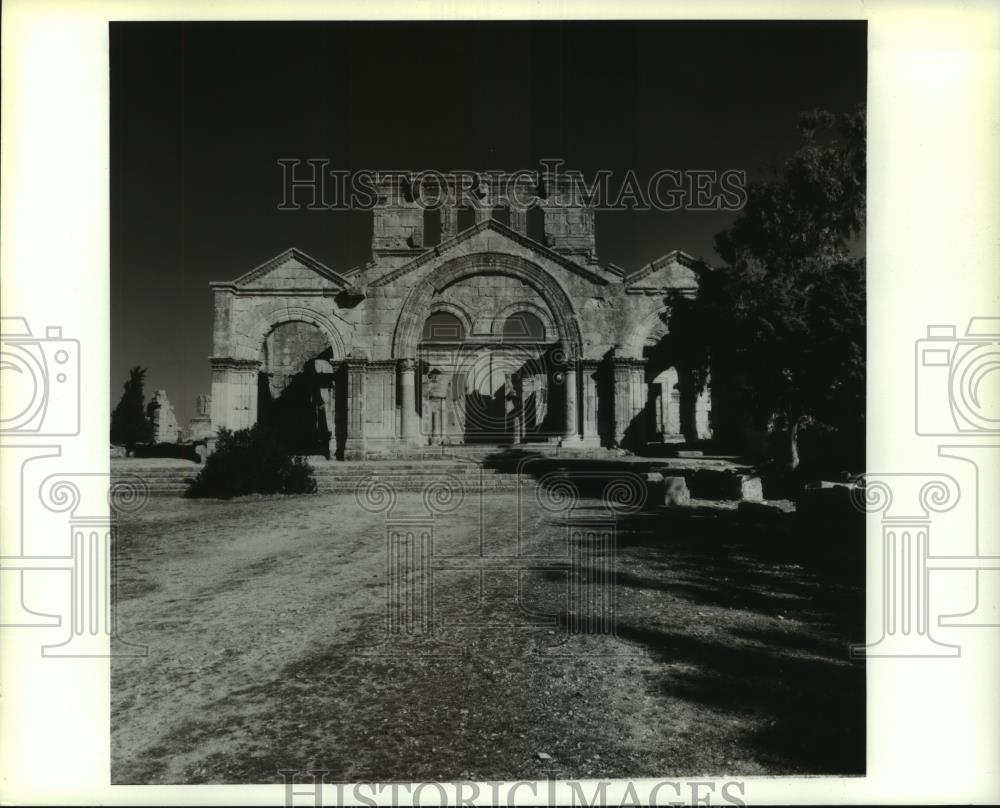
x,y
343,477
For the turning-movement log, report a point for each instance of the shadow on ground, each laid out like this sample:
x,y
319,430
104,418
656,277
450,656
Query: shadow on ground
x,y
788,674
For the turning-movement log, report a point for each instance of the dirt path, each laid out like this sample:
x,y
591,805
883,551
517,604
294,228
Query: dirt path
x,y
727,658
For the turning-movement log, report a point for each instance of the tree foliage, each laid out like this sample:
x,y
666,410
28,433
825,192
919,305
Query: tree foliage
x,y
252,461
129,425
784,320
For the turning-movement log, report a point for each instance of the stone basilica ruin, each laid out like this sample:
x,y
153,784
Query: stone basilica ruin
x,y
488,324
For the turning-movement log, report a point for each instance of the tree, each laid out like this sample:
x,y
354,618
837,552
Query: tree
x,y
128,421
785,318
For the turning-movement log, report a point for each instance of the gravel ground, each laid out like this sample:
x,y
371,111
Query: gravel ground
x,y
265,619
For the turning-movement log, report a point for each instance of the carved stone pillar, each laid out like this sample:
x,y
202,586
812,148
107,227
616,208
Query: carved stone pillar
x,y
638,395
519,220
589,434
325,375
409,431
381,420
671,404
702,413
622,369
571,433
356,444
234,392
449,221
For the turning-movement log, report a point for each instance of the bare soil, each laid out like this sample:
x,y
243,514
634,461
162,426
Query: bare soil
x,y
265,620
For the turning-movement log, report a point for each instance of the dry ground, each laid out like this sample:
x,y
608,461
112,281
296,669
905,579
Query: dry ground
x,y
731,654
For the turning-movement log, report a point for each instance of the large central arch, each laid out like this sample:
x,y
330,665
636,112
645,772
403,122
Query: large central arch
x,y
411,318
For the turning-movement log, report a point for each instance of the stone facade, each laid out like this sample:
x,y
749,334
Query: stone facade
x,y
488,336
200,427
161,416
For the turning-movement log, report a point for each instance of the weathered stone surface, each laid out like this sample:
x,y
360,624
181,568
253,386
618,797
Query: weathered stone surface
x,y
486,269
751,489
676,491
161,415
200,427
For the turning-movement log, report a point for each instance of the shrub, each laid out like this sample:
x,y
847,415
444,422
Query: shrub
x,y
252,461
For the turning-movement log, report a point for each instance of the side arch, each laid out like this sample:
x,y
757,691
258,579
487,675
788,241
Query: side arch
x,y
651,327
263,324
411,318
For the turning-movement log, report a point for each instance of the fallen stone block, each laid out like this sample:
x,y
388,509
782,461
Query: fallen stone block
x,y
751,489
675,492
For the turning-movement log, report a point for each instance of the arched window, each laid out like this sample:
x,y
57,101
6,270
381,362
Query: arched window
x,y
442,326
523,325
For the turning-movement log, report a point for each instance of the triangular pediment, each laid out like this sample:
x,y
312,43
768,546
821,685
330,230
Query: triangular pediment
x,y
493,236
293,269
675,270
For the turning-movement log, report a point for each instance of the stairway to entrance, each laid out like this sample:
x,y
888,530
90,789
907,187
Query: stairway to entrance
x,y
171,477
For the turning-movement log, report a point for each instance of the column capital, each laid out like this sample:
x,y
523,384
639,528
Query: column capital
x,y
407,365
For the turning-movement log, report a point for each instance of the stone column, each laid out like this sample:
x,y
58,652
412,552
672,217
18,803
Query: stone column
x,y
381,419
702,413
571,433
356,445
638,396
519,220
449,221
325,375
589,435
234,392
622,369
408,428
671,404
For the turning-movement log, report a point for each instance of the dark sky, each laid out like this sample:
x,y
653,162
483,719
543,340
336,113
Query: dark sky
x,y
201,112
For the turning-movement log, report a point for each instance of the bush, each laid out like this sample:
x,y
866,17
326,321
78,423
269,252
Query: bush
x,y
252,461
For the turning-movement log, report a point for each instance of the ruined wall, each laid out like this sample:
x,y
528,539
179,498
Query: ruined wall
x,y
372,318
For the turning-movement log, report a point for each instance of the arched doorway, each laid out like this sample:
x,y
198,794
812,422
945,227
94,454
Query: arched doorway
x,y
300,390
494,337
491,389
